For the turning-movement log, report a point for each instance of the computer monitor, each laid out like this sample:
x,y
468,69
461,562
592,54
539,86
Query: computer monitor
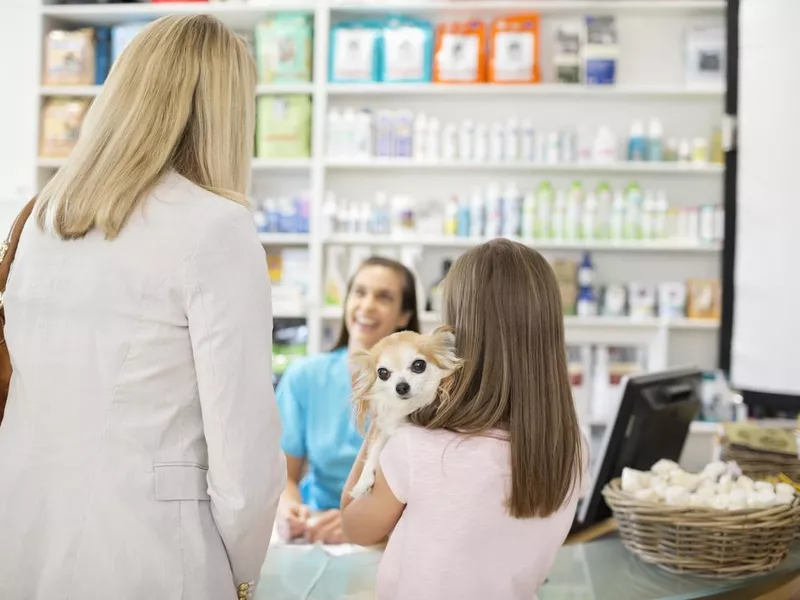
x,y
652,423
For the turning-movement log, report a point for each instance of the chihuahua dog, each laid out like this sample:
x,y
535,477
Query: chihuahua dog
x,y
399,375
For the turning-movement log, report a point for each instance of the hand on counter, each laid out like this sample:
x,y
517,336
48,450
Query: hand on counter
x,y
292,519
325,528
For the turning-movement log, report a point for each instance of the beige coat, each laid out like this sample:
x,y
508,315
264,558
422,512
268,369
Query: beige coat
x,y
139,454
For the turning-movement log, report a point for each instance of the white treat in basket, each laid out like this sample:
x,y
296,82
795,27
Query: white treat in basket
x,y
764,486
663,467
762,499
633,480
659,485
738,496
784,489
677,495
700,501
646,495
681,478
783,498
713,470
736,502
720,502
725,484
707,489
744,483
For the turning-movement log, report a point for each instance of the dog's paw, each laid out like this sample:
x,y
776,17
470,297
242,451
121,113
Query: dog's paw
x,y
363,485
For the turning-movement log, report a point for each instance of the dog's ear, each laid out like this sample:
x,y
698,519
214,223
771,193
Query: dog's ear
x,y
362,366
443,342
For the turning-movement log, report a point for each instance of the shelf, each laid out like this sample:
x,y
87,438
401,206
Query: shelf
x,y
539,89
258,164
268,89
542,245
237,16
83,91
476,7
392,164
284,239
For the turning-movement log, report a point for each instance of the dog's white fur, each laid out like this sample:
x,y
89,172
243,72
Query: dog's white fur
x,y
380,398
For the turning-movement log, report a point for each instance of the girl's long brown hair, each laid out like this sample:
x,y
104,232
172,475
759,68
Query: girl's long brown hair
x,y
503,300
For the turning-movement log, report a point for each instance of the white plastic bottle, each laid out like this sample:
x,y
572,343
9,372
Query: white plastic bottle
x,y
329,214
527,141
348,125
529,216
511,152
493,216
420,142
553,148
466,141
481,145
661,215
497,142
512,211
616,222
559,215
573,211
449,142
648,215
432,148
363,135
334,145
589,217
477,214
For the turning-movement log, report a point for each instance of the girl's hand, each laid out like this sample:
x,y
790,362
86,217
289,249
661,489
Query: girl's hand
x,y
355,472
325,528
292,519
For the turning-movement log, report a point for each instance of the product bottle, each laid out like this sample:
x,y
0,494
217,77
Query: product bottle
x,y
334,146
589,218
449,142
463,229
432,148
637,146
605,146
559,215
512,211
553,148
477,214
603,214
335,285
481,146
466,139
354,218
648,216
273,214
435,299
329,221
527,141
348,125
684,151
380,218
493,214
497,143
587,302
260,218
420,137
661,214
451,216
529,216
585,145
655,141
633,207
544,211
572,216
511,140
363,134
616,222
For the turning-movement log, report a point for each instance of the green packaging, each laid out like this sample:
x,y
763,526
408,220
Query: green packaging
x,y
283,129
283,49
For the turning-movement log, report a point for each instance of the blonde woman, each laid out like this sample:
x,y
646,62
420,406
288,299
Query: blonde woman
x,y
139,453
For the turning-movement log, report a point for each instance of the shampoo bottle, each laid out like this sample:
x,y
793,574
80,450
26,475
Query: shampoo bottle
x,y
544,211
655,141
616,222
451,217
335,285
432,148
559,215
589,218
529,216
637,145
477,215
420,142
463,229
512,211
493,215
573,211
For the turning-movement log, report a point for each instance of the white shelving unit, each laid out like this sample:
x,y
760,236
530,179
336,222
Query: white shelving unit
x,y
650,84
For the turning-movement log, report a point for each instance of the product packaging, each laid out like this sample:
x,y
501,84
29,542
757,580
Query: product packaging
x,y
61,124
355,52
514,46
460,53
102,54
614,300
70,57
671,300
641,300
283,128
705,56
122,36
704,299
601,51
283,46
567,59
407,51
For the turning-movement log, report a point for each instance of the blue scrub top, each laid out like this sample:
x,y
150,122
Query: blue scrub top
x,y
314,398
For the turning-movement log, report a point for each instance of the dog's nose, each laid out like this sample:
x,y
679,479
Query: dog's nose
x,y
402,388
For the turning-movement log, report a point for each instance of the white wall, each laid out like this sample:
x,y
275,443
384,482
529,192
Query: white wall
x,y
19,30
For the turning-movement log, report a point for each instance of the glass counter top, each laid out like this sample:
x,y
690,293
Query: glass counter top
x,y
600,570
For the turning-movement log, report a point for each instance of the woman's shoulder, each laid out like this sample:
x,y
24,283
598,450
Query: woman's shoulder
x,y
317,366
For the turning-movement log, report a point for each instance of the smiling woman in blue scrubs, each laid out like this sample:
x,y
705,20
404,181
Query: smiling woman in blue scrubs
x,y
320,437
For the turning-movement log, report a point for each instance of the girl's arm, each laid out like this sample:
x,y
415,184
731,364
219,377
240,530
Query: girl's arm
x,y
369,519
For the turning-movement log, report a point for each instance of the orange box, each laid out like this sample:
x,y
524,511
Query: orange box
x,y
514,50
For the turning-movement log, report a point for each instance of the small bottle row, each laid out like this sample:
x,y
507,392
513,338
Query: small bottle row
x,y
364,134
543,213
286,214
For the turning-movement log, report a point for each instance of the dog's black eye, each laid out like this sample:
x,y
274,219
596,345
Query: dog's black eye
x,y
384,374
418,366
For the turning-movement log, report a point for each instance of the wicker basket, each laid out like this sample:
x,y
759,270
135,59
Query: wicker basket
x,y
704,541
758,465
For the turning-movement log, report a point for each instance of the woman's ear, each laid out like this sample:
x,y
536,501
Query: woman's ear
x,y
364,375
405,319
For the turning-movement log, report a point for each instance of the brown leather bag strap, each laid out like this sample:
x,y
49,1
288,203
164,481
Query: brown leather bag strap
x,y
9,248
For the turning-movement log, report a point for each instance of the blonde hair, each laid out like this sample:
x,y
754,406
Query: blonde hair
x,y
503,300
182,97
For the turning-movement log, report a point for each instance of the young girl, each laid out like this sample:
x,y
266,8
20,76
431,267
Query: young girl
x,y
480,492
